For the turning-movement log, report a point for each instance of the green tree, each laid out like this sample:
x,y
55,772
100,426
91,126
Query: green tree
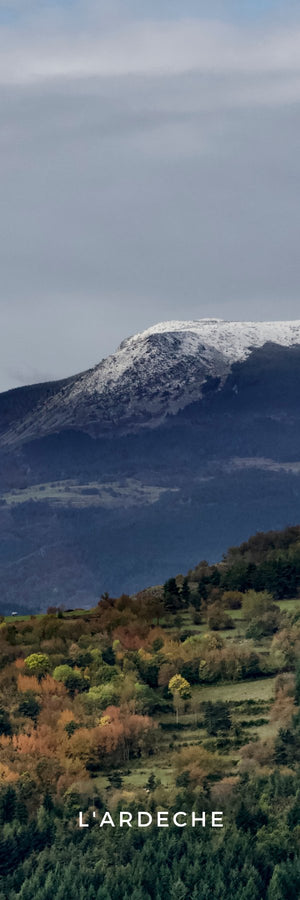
x,y
171,595
217,717
61,673
5,725
29,706
76,682
37,664
256,603
70,727
297,684
185,593
151,783
178,891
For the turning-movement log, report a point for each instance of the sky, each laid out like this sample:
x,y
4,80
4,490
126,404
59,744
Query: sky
x,y
149,170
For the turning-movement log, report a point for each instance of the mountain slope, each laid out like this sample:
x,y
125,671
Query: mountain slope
x,y
151,375
186,439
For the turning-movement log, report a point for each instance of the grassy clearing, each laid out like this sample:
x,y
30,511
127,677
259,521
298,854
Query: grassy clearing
x,y
71,614
94,493
269,730
258,689
139,777
21,617
133,777
292,605
236,614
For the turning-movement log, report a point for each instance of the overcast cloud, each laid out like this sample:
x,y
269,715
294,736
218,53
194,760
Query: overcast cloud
x,y
150,170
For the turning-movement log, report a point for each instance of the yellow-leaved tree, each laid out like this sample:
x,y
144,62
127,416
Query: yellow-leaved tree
x,y
180,689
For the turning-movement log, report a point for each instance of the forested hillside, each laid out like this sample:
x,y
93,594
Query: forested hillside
x,y
182,697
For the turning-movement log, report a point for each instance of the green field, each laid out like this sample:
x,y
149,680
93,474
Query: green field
x,y
108,495
258,689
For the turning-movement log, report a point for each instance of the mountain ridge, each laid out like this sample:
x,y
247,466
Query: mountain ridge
x,y
187,448
152,374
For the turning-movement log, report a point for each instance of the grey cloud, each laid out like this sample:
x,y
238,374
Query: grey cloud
x,y
128,200
27,375
147,48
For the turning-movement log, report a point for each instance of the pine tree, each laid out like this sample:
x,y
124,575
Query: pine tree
x,y
171,595
185,593
178,891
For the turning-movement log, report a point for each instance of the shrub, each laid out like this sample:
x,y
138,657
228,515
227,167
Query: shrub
x,y
218,619
233,599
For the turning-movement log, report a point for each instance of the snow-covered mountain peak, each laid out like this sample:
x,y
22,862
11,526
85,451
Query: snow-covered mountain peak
x,y
233,338
151,375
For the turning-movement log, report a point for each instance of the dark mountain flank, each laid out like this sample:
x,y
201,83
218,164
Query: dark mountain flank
x,y
185,440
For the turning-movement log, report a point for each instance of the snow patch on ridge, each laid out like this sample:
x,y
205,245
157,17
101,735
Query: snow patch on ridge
x,y
151,375
234,341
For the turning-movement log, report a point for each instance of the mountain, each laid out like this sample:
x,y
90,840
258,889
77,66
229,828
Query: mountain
x,y
151,376
185,438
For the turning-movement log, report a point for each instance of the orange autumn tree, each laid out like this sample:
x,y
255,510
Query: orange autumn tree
x,y
119,736
28,683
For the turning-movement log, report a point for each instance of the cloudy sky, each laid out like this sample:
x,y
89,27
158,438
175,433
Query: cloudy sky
x,y
150,170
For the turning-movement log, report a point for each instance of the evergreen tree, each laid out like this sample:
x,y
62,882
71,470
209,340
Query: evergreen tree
x,y
185,593
178,891
5,726
217,717
171,595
